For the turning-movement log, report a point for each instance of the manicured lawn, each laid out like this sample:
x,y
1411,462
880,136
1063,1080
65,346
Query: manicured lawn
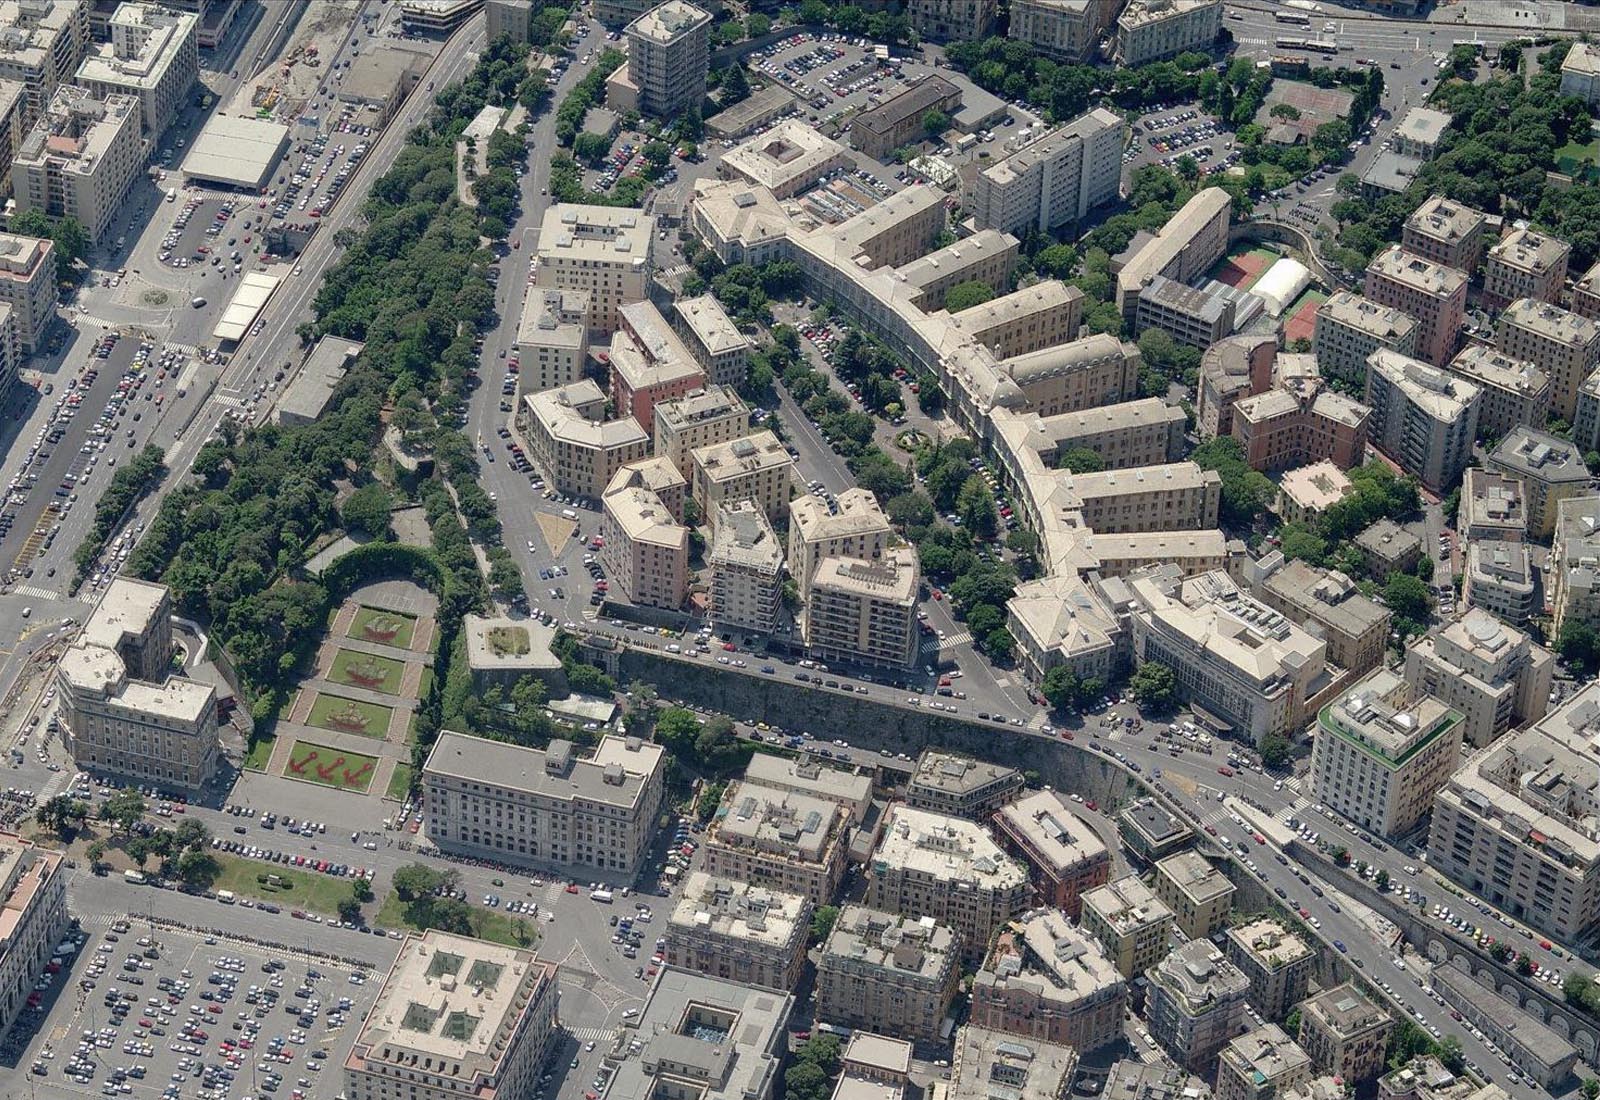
x,y
487,924
365,670
508,641
260,753
426,682
374,624
400,782
1587,150
301,889
335,712
348,771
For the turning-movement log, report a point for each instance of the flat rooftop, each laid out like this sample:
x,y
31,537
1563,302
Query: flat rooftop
x,y
617,774
754,915
918,947
1002,1066
781,822
1052,830
1127,905
949,849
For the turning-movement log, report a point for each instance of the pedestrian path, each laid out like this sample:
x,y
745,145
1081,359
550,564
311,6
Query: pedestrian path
x,y
36,592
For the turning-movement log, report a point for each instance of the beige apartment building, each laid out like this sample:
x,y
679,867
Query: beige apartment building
x,y
1515,392
1277,962
1563,345
1131,923
1199,896
1195,1003
1064,29
959,786
738,932
746,570
1423,418
1435,295
1147,432
1067,857
545,807
1264,1064
716,343
27,285
1492,507
1039,316
13,125
125,714
1045,979
552,339
952,20
1175,496
864,611
1447,233
889,973
1355,628
1054,180
1490,672
1149,30
987,257
1029,1069
578,453
45,41
753,467
780,839
852,791
153,55
1549,469
602,250
1349,328
1574,574
80,159
646,552
33,918
948,869
858,530
704,418
1095,370
1525,264
477,1017
1345,1034
669,53
1191,241
1502,580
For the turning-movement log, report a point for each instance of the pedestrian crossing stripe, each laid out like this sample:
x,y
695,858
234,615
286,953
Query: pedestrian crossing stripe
x,y
37,593
960,638
592,1034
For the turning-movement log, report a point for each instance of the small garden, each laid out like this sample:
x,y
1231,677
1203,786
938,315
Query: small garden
x,y
346,771
366,670
341,715
384,627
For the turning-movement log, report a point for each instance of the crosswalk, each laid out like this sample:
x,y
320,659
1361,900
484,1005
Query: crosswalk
x,y
36,592
592,1034
960,637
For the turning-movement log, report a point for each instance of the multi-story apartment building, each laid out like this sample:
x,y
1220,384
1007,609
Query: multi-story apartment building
x,y
1349,328
1419,133
713,415
1096,370
1277,962
1355,628
952,20
1066,856
864,611
552,339
649,364
987,256
1054,180
1580,72
1264,1064
949,869
1563,345
1192,240
1195,1003
1299,422
1540,1053
1044,979
13,113
1195,316
455,1017
1515,392
740,223
603,250
80,159
646,551
1550,469
1147,432
1447,233
1586,294
1064,29
1345,1033
1232,369
716,343
890,973
33,899
746,570
1130,922
1514,825
1382,751
1435,295
1525,264
153,55
1027,1069
897,121
27,285
1039,316
1177,496
1492,507
1490,672
857,529
1149,30
738,932
1387,547
1150,831
125,714
850,790
669,54
1423,418
547,807
578,453
1500,579
1132,1079
44,42
781,839
785,159
1586,420
510,17
752,467
1199,895
1574,574
959,786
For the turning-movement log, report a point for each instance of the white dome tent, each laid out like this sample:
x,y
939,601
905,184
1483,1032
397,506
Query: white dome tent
x,y
1281,285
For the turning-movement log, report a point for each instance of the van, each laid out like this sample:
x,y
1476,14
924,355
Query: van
x,y
135,877
601,896
226,897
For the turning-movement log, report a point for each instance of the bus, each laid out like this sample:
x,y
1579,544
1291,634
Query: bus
x,y
1299,19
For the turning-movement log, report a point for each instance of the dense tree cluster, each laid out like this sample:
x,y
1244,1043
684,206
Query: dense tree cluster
x,y
129,485
710,747
815,1063
1246,493
1329,541
881,26
68,234
588,92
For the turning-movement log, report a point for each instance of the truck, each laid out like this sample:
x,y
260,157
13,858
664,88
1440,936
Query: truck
x,y
135,877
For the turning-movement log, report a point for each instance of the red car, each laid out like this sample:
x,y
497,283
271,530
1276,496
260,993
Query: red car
x,y
1212,829
1225,771
1067,734
1092,804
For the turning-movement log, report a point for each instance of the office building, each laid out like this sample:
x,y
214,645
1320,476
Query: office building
x,y
1130,922
752,467
1067,30
153,55
716,343
545,807
1025,1069
552,339
1195,316
1345,1033
1447,233
1192,240
669,52
1150,831
1044,979
959,786
1039,316
738,932
1423,418
1500,580
1195,1003
746,570
1199,895
952,20
27,285
44,40
80,159
890,973
1150,30
602,250
649,364
1525,264
1054,180
1549,469
1563,345
879,131
646,551
858,529
1488,671
33,919
1329,604
1264,1064
949,869
1574,574
1277,962
1349,328
1539,1053
1515,393
125,714
578,453
1435,295
1066,856
702,419
864,611
1492,507
780,839
477,1018
786,159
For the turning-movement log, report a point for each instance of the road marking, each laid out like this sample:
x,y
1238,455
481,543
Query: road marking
x,y
37,593
592,1034
960,637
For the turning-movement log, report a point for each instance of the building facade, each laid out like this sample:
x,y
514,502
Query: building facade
x,y
1488,671
80,159
153,55
1195,1004
1130,922
1549,469
1277,962
780,839
1349,328
1525,264
669,54
1066,856
1515,393
746,570
578,453
1054,180
959,786
1563,345
1345,1034
738,932
1435,295
1199,895
602,250
1423,418
888,973
1149,30
1447,233
1044,979
34,892
1262,1065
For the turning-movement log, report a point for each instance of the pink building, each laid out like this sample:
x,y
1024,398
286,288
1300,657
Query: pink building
x,y
649,363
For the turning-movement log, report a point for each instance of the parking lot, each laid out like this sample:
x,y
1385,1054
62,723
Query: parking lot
x,y
315,172
831,74
1167,135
